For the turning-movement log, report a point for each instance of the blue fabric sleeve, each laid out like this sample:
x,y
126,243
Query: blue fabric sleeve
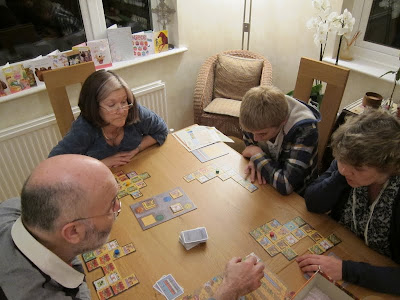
x,y
380,279
152,124
77,140
326,191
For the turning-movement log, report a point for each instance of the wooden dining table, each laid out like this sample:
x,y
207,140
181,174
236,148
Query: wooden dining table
x,y
229,212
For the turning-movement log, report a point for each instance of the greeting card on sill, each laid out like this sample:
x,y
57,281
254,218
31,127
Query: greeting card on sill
x,y
4,90
120,41
38,66
84,53
59,59
101,55
161,41
16,78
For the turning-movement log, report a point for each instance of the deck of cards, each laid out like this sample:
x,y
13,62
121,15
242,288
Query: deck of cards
x,y
168,287
191,238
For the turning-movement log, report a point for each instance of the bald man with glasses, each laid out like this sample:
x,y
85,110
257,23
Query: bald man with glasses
x,y
67,207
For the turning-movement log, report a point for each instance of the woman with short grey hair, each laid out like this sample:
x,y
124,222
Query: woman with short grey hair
x,y
361,190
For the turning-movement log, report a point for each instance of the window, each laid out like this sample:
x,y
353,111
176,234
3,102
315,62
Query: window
x,y
383,22
378,21
37,27
29,28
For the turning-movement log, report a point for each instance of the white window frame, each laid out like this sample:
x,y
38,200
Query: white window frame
x,y
367,59
94,20
378,54
362,9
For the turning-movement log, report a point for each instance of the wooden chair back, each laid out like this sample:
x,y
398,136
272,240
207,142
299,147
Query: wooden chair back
x,y
336,78
56,82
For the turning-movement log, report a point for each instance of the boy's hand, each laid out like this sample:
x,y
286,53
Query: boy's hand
x,y
251,150
252,172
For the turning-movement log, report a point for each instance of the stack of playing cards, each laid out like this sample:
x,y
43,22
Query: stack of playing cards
x,y
168,287
191,238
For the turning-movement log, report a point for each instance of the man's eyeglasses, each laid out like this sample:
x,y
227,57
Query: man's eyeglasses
x,y
115,108
116,210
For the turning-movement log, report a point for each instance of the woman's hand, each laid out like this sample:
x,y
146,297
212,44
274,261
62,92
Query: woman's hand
x,y
120,159
331,266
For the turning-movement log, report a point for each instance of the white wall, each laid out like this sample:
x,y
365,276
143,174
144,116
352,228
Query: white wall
x,y
207,27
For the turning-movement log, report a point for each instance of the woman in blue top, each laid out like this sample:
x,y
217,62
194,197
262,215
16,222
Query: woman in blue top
x,y
112,126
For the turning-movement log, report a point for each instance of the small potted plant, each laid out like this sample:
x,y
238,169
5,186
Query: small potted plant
x,y
396,78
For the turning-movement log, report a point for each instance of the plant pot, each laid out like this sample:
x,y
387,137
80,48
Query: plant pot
x,y
372,99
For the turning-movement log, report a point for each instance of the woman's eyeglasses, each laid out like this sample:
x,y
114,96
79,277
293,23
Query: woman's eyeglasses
x,y
114,109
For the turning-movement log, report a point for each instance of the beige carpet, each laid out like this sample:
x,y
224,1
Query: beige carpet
x,y
238,144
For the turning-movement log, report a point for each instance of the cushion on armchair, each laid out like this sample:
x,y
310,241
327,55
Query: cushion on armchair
x,y
234,76
224,106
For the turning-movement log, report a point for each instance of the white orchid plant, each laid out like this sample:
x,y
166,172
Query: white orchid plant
x,y
327,21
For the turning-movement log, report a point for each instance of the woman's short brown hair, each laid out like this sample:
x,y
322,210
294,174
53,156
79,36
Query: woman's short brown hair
x,y
370,139
96,88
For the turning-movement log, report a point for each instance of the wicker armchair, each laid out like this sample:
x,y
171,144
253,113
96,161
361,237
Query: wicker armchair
x,y
203,93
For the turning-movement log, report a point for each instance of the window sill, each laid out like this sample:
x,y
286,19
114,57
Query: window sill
x,y
367,67
115,66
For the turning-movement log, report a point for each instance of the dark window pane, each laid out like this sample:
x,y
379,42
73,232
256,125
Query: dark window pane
x,y
128,13
29,28
383,23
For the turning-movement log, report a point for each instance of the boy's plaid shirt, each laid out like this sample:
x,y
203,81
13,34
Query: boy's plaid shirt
x,y
296,166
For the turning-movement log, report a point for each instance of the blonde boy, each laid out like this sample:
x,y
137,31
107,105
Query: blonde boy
x,y
281,139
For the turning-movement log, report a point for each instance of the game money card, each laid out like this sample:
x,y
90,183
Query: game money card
x,y
131,280
144,175
128,248
274,223
119,287
299,221
299,234
316,249
100,284
272,250
104,259
109,268
190,177
136,194
177,207
334,239
176,193
289,253
169,287
105,294
256,233
131,174
112,245
315,236
307,228
113,277
88,256
93,264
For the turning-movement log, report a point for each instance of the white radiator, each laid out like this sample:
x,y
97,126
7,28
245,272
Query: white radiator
x,y
23,146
